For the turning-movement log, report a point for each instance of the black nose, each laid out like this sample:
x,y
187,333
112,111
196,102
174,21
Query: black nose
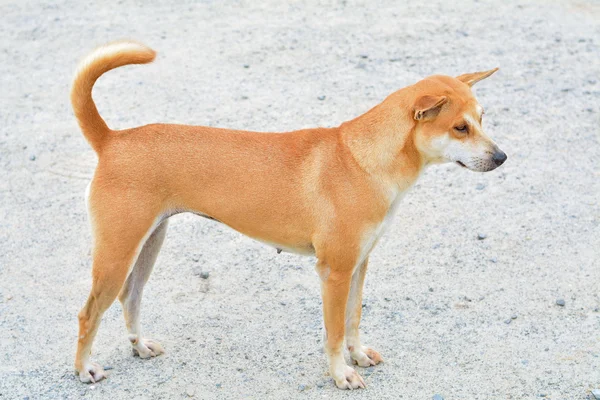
x,y
499,157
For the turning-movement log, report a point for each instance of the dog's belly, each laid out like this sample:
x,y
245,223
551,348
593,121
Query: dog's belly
x,y
301,247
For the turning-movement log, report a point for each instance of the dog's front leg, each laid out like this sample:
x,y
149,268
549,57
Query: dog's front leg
x,y
362,355
335,286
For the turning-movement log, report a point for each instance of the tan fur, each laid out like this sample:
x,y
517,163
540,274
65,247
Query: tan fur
x,y
330,192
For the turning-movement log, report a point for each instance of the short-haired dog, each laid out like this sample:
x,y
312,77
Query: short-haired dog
x,y
327,192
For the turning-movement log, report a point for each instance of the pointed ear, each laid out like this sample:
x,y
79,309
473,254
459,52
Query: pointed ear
x,y
473,78
429,106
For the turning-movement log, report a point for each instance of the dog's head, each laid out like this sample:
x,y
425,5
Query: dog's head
x,y
448,123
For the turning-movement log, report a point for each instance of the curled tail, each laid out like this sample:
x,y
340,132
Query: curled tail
x,y
98,62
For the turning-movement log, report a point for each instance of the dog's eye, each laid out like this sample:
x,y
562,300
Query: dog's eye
x,y
462,128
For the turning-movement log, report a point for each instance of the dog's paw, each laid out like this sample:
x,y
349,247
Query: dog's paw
x,y
145,348
349,379
365,356
91,373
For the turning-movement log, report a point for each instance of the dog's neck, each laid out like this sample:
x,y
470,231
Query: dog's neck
x,y
382,143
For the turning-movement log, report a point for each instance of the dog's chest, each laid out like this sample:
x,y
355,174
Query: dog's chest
x,y
373,235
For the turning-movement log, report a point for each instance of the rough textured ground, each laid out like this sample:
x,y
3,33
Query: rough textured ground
x,y
437,299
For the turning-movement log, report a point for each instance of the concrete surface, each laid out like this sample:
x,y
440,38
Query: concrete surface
x,y
438,302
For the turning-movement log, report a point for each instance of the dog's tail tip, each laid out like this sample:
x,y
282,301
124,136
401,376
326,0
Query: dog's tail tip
x,y
113,55
99,61
129,51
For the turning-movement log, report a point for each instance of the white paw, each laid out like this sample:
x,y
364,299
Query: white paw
x,y
349,379
145,348
365,356
91,373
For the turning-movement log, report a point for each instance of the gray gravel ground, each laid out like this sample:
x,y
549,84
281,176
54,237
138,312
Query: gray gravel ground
x,y
437,296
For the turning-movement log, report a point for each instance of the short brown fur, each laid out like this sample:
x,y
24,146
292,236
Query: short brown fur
x,y
327,191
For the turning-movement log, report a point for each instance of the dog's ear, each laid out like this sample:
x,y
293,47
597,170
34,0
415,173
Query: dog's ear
x,y
429,106
474,77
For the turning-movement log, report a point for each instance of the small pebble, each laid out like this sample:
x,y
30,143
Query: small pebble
x,y
364,56
246,66
596,393
480,186
437,397
387,299
204,275
321,98
481,236
32,157
431,289
190,391
560,302
514,316
494,260
320,385
9,297
218,385
108,367
302,387
508,321
92,387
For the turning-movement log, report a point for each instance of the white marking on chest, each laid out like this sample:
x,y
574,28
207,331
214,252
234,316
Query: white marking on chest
x,y
373,236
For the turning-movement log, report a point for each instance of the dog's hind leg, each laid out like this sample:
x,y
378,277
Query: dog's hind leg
x,y
362,355
120,228
131,294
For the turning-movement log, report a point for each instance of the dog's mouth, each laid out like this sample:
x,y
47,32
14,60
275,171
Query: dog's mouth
x,y
461,164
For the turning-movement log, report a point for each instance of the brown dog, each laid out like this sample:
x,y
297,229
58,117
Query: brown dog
x,y
328,192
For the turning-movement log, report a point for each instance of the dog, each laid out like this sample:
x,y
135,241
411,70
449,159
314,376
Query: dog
x,y
327,192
